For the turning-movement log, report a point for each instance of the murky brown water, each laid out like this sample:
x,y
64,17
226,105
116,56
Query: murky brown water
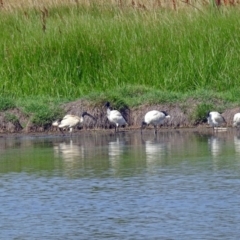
x,y
178,185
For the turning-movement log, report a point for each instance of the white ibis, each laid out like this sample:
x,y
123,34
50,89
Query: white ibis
x,y
236,120
71,121
115,117
215,119
155,118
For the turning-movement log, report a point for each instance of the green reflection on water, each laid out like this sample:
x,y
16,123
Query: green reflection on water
x,y
125,154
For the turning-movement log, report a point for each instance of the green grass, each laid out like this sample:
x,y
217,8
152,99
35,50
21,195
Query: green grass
x,y
6,103
128,56
42,111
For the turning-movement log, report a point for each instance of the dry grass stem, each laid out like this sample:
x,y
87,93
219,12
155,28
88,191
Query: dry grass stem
x,y
144,4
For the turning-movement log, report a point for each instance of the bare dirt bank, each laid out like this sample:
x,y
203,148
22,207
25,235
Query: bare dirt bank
x,y
181,117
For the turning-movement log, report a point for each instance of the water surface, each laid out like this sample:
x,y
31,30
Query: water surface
x,y
177,185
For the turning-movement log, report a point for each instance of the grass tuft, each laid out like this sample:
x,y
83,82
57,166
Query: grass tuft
x,y
199,115
42,110
6,103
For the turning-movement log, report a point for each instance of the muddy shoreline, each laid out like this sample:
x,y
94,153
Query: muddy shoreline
x,y
201,130
181,118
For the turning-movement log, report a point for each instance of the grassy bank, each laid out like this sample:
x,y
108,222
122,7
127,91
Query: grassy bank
x,y
130,56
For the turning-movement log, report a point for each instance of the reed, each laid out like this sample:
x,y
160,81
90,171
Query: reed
x,y
11,5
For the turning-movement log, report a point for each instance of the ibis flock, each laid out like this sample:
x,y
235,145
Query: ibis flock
x,y
154,117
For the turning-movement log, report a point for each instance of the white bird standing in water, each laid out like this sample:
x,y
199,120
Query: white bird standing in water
x,y
115,117
70,121
215,119
155,118
236,120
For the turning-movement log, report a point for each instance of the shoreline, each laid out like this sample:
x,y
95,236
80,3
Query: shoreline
x,y
202,129
16,122
180,118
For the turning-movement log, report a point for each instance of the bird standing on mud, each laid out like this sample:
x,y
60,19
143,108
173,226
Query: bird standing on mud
x,y
71,121
236,120
215,119
155,118
115,117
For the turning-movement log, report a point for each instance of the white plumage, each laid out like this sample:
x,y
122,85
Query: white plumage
x,y
70,121
215,119
55,123
115,117
236,120
155,118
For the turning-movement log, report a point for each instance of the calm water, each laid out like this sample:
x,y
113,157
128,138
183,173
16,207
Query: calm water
x,y
178,185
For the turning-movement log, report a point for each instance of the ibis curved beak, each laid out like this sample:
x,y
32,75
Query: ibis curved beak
x,y
91,116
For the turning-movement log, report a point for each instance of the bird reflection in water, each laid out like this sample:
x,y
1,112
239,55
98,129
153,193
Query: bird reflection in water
x,y
69,151
216,145
156,150
115,151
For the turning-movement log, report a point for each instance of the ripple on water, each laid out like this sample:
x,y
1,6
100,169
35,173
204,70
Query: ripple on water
x,y
173,187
